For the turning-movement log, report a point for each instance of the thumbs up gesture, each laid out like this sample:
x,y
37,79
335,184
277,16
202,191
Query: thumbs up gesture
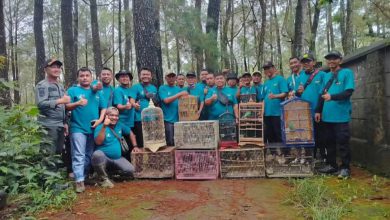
x,y
326,96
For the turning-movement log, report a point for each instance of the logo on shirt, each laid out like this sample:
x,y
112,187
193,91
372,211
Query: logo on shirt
x,y
275,84
108,135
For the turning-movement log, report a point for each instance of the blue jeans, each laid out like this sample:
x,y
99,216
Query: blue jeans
x,y
82,148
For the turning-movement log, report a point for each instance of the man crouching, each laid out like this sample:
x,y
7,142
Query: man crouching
x,y
108,148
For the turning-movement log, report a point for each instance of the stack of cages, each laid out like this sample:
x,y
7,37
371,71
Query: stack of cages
x,y
188,108
248,160
227,131
156,160
196,156
294,157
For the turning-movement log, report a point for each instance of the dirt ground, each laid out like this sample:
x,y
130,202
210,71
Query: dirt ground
x,y
215,199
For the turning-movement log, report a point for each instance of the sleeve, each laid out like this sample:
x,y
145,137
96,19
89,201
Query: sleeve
x,y
162,93
342,95
235,99
349,80
200,94
118,97
42,97
72,96
283,85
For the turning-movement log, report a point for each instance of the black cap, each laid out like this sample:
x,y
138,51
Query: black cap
x,y
256,73
333,53
268,64
123,72
231,75
52,61
308,56
191,74
246,74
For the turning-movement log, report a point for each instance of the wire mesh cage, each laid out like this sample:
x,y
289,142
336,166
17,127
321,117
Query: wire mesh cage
x,y
160,164
196,134
287,161
242,163
251,123
188,108
244,98
153,129
227,130
297,122
196,164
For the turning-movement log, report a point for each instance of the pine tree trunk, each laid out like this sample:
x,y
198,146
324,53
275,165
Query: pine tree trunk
x,y
348,37
211,51
331,45
314,27
260,58
15,60
224,35
4,93
147,46
97,56
39,41
245,40
68,42
299,37
278,40
120,34
126,5
75,30
198,28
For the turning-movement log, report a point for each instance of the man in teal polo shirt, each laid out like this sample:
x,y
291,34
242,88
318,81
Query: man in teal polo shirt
x,y
309,89
143,91
104,86
275,91
232,81
124,101
247,91
194,90
180,81
221,99
257,83
108,148
85,105
296,71
335,111
169,95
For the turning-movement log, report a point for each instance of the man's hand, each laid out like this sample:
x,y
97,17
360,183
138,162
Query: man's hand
x,y
98,86
326,96
317,117
183,93
271,96
137,150
205,91
300,89
291,95
128,105
64,100
107,121
66,130
82,101
137,106
214,97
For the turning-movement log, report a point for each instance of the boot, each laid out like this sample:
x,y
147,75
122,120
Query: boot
x,y
105,182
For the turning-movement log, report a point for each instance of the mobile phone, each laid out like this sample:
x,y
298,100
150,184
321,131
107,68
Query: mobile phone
x,y
93,122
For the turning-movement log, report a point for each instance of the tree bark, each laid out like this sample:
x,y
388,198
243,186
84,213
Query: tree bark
x,y
198,50
97,56
224,36
68,42
39,41
330,27
147,47
245,40
348,38
128,44
4,92
120,34
314,27
211,52
75,30
278,40
299,37
260,58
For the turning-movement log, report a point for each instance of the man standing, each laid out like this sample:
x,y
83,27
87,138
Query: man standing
x,y
203,79
143,91
257,83
232,82
180,81
124,101
335,111
108,152
192,89
275,91
296,70
51,99
104,86
169,95
221,99
246,91
309,89
85,105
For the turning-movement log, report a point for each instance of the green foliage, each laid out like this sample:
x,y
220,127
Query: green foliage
x,y
24,167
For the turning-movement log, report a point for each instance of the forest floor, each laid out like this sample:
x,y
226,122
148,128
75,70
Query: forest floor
x,y
368,198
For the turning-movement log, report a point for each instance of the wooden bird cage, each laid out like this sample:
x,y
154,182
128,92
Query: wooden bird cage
x,y
227,130
245,98
242,163
251,123
160,164
297,122
287,161
188,108
153,129
196,164
196,134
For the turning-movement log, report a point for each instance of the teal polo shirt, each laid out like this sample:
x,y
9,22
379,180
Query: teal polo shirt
x,y
171,110
276,85
121,96
313,91
106,93
111,146
217,108
293,81
248,91
140,96
196,91
338,111
81,117
260,92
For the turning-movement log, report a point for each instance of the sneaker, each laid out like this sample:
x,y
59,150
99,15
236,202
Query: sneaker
x,y
344,174
80,187
328,169
106,183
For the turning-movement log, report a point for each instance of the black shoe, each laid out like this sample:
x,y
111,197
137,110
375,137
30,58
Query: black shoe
x,y
328,169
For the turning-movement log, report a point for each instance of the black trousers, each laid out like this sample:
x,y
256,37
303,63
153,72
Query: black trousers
x,y
272,129
337,136
169,133
319,139
138,133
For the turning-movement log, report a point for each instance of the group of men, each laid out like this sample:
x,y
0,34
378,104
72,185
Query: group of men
x,y
101,114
